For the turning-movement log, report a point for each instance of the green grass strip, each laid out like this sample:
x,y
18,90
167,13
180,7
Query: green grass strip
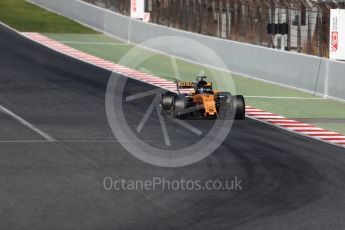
x,y
27,17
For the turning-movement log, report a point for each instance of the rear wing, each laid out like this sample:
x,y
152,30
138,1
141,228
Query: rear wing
x,y
185,87
182,85
191,84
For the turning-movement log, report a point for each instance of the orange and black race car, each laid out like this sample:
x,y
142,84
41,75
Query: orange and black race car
x,y
202,101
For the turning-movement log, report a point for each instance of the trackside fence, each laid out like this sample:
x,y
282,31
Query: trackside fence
x,y
313,74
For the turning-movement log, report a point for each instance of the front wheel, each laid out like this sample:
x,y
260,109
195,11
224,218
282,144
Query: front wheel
x,y
239,107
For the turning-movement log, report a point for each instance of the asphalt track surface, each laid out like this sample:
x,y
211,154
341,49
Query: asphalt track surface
x,y
289,182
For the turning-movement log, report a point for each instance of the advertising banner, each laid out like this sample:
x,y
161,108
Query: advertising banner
x,y
146,17
337,34
137,9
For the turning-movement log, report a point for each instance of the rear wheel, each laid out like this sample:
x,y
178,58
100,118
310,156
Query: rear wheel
x,y
180,104
167,101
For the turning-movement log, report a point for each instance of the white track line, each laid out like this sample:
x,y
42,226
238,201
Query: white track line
x,y
254,110
303,128
333,141
27,124
266,117
291,124
311,133
332,137
297,98
279,120
258,112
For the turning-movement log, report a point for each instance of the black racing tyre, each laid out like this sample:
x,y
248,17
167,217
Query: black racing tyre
x,y
180,103
239,107
167,101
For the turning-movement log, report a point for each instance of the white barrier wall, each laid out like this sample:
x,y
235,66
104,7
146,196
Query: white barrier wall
x,y
308,73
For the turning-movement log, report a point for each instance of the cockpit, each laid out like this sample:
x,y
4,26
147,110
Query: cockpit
x,y
202,86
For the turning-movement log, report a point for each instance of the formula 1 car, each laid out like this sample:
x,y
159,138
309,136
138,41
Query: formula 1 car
x,y
202,101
